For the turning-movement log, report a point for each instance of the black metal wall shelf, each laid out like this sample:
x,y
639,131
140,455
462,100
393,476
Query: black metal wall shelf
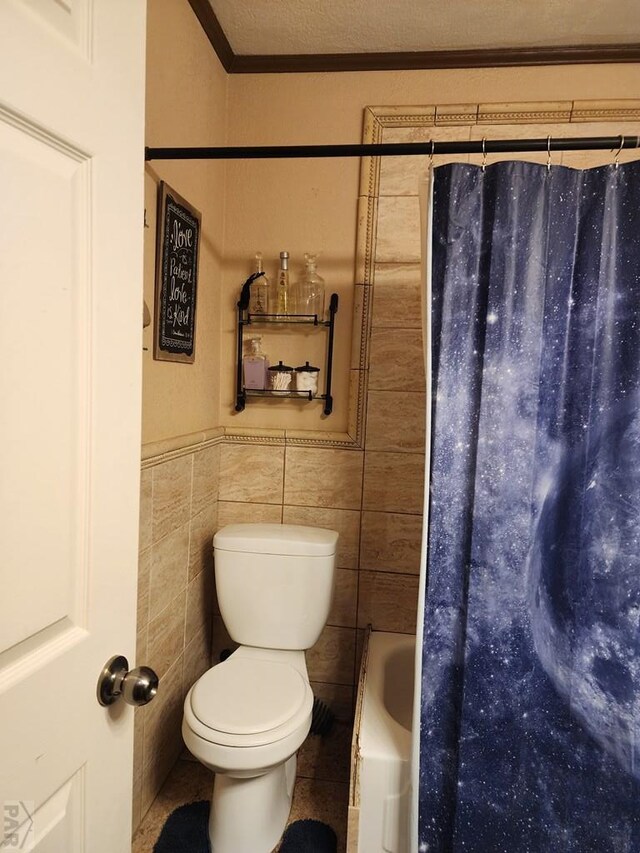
x,y
265,320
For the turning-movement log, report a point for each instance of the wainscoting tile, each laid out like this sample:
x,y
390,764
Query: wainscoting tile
x,y
401,175
388,602
394,482
197,660
327,757
252,473
326,478
169,569
171,495
200,595
398,230
343,610
144,580
206,476
391,542
165,636
331,659
146,509
397,360
338,697
203,526
232,512
397,297
396,421
220,640
162,737
345,521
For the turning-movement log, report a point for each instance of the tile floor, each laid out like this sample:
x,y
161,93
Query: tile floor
x,y
321,792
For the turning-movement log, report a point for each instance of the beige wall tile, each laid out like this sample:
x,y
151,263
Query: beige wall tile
x,y
398,230
397,296
144,580
327,757
326,478
331,659
388,602
343,610
165,636
200,605
146,509
220,639
338,697
393,482
202,527
171,495
251,473
169,568
396,421
231,512
197,660
162,733
206,477
391,542
402,175
345,521
397,360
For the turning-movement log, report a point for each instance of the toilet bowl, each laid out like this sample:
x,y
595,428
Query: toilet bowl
x,y
246,718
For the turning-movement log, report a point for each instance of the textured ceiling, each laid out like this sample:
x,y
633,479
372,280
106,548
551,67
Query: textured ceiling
x,y
370,26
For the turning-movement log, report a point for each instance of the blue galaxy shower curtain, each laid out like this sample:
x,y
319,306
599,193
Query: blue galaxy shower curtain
x,y
530,723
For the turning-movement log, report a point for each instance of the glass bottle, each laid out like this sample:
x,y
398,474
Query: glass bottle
x,y
283,288
255,365
311,288
259,291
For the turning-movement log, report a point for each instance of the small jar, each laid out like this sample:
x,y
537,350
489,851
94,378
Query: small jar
x,y
307,378
280,376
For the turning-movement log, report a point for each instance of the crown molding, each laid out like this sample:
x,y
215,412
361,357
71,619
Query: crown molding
x,y
405,61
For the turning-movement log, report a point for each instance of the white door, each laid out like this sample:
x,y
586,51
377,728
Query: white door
x,y
71,219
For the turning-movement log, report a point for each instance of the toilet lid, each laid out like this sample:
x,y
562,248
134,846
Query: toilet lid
x,y
243,696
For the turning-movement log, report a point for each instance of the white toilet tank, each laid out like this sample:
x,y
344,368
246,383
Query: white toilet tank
x,y
275,583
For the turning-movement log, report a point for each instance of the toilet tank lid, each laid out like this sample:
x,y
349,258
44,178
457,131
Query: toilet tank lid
x,y
286,539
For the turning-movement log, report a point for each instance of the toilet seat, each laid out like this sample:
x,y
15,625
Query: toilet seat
x,y
246,702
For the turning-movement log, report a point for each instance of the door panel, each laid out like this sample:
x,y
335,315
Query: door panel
x,y
71,196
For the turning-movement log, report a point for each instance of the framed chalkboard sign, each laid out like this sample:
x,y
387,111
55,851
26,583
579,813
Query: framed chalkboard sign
x,y
176,277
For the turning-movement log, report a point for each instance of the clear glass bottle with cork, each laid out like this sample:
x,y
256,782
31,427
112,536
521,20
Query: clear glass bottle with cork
x,y
259,291
310,288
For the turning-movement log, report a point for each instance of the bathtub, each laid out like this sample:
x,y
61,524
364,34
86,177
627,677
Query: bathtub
x,y
379,796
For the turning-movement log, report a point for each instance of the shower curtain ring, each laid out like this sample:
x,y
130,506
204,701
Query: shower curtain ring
x,y
548,153
616,162
484,153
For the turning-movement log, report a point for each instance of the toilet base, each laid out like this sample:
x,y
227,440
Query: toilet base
x,y
250,815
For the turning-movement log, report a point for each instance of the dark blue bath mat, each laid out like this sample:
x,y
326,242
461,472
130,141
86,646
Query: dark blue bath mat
x,y
309,836
186,831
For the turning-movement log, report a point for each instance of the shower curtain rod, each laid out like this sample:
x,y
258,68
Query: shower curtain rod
x,y
486,146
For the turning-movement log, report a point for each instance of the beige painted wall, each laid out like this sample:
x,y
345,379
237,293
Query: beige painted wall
x,y
186,105
312,204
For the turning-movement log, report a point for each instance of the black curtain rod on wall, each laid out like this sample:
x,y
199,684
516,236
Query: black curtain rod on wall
x,y
487,146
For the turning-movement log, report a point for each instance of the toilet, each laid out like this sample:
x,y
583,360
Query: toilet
x,y
246,718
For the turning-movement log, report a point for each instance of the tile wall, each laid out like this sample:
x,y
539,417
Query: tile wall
x,y
178,517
